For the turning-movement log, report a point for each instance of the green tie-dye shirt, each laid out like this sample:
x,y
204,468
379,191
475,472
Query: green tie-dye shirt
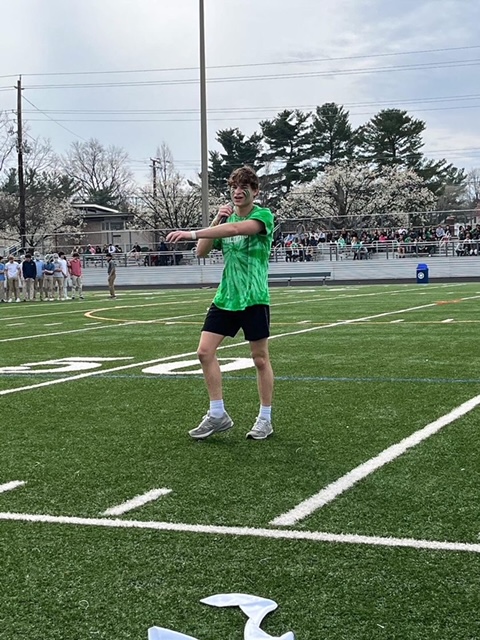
x,y
245,274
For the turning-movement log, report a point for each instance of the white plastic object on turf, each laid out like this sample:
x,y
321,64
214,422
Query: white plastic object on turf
x,y
158,633
254,607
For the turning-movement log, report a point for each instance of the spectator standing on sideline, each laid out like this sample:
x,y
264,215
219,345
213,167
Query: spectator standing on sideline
x,y
63,261
75,269
3,291
13,271
40,266
48,278
58,277
111,275
242,299
29,272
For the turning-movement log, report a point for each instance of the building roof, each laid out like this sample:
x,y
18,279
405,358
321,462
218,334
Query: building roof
x,y
96,207
99,212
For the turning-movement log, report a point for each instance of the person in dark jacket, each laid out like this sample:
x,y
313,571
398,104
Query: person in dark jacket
x,y
29,273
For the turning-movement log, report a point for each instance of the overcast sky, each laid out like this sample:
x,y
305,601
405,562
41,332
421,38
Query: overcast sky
x,y
353,52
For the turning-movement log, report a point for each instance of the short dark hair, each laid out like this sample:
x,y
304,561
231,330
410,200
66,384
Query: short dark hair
x,y
28,255
244,176
75,255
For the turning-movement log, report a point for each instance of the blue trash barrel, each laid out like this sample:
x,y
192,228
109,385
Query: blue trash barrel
x,y
422,274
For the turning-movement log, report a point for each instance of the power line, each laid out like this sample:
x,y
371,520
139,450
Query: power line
x,y
252,64
55,121
253,109
280,76
146,121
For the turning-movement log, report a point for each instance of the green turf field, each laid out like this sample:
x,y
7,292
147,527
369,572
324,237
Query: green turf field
x,y
360,517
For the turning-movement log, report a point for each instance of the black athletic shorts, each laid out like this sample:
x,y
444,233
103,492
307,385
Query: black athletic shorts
x,y
255,322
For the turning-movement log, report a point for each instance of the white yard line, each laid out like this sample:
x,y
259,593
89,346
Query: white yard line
x,y
90,326
447,321
333,490
137,501
58,333
9,486
80,376
278,534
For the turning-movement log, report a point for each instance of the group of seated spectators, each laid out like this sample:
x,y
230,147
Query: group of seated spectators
x,y
300,247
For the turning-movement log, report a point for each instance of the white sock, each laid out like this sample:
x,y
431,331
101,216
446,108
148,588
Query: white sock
x,y
265,412
217,408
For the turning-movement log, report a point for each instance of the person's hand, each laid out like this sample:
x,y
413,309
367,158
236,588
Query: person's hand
x,y
223,213
178,236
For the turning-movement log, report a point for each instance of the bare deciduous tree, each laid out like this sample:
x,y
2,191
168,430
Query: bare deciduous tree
x,y
101,174
171,201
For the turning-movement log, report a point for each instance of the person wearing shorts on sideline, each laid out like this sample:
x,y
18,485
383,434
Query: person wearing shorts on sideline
x,y
242,300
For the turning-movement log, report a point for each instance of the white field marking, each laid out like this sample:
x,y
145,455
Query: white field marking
x,y
154,321
137,501
16,324
53,324
278,534
79,376
447,321
90,327
83,312
59,333
333,490
321,298
9,486
304,322
397,321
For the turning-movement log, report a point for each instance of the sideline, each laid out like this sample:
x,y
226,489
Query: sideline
x,y
282,534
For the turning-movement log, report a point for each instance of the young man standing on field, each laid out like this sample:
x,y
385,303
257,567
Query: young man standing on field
x,y
75,270
242,299
111,275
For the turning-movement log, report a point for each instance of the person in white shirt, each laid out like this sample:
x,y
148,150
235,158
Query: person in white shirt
x,y
64,265
12,270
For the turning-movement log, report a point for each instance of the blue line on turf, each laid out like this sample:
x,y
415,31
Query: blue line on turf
x,y
226,376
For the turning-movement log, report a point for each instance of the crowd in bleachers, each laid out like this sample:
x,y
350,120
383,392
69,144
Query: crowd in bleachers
x,y
362,244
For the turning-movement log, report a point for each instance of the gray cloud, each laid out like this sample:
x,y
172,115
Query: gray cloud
x,y
106,35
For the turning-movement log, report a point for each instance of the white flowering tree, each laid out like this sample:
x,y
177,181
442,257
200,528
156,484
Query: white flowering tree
x,y
355,196
49,221
49,218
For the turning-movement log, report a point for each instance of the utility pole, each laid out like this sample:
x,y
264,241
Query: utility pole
x,y
21,183
154,178
203,119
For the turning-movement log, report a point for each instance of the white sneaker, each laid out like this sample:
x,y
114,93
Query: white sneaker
x,y
18,300
261,429
210,425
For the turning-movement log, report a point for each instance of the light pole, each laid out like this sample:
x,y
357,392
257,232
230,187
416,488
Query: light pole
x,y
203,119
